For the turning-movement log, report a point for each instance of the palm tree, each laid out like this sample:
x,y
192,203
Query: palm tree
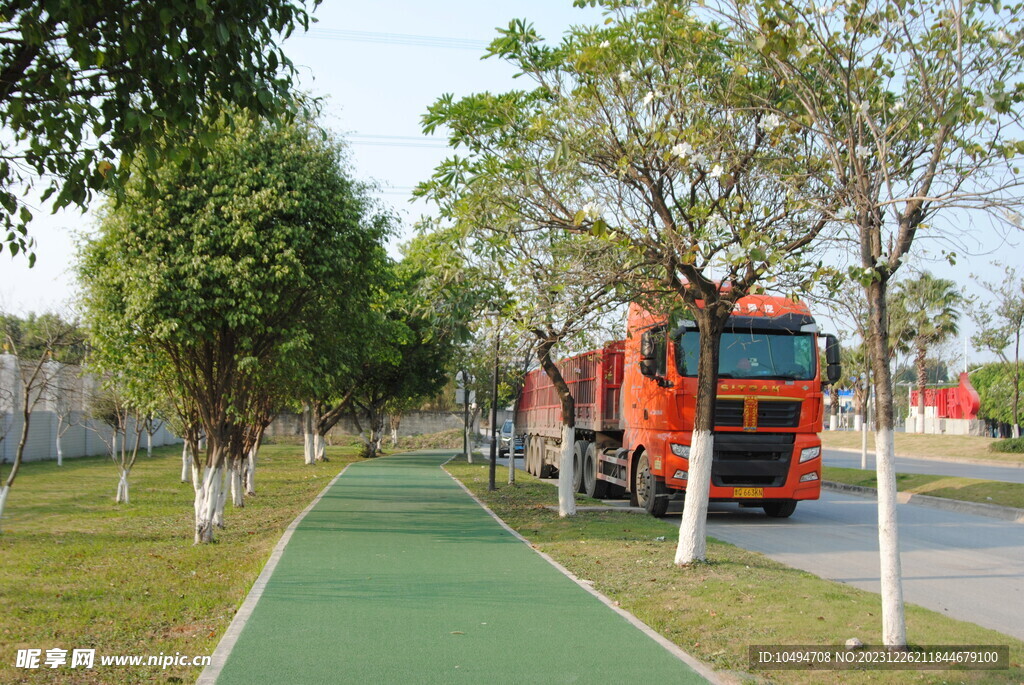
x,y
930,308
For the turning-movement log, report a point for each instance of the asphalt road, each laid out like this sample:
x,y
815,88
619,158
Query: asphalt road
x,y
851,460
967,567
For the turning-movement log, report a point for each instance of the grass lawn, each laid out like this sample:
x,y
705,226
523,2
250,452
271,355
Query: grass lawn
x,y
79,571
911,445
965,489
716,610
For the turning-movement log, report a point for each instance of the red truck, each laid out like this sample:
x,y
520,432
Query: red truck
x,y
636,402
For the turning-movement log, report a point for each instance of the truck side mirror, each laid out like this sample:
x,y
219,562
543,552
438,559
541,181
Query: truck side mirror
x,y
834,370
648,363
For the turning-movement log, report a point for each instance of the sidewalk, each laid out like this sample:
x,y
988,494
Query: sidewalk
x,y
398,576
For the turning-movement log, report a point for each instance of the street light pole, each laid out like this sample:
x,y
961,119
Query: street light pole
x,y
494,415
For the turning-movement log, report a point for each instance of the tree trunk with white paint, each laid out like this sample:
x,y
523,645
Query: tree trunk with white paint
x,y
692,544
858,422
237,486
894,631
395,421
566,492
207,495
307,433
122,489
4,489
186,462
222,497
60,451
319,447
250,471
149,443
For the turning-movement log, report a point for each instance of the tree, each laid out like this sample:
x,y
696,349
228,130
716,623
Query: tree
x,y
218,274
1000,325
995,384
115,409
912,104
85,85
930,306
684,169
31,378
404,356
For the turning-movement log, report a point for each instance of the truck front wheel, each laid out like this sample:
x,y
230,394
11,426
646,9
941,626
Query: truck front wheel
x,y
780,510
651,494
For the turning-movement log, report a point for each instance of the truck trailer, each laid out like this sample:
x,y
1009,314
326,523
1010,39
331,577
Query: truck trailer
x,y
636,403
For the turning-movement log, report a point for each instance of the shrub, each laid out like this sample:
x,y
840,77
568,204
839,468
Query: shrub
x,y
1011,445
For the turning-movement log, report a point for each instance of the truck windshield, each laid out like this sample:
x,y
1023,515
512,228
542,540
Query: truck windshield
x,y
754,354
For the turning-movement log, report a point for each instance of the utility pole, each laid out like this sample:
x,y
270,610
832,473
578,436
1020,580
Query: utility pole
x,y
494,415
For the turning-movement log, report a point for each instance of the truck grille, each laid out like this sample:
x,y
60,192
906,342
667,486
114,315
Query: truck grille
x,y
751,459
770,413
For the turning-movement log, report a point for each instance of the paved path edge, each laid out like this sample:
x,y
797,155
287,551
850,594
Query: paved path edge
x,y
220,655
995,511
699,666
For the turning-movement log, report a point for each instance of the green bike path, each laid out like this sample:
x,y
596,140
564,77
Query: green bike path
x,y
398,576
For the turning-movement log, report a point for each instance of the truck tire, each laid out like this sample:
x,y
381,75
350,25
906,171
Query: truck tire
x,y
780,510
544,469
578,453
598,489
651,494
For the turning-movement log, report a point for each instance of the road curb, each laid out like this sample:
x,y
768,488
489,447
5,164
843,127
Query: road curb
x,y
952,460
959,506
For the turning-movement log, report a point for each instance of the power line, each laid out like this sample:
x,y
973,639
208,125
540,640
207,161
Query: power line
x,y
399,39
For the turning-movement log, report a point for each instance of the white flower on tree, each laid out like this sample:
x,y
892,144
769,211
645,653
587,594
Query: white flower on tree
x,y
682,150
604,44
863,151
592,211
770,123
625,76
716,171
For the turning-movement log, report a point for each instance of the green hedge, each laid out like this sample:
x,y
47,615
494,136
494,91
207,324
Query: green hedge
x,y
1011,445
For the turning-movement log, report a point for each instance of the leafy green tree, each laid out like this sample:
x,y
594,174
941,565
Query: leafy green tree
x,y
651,134
404,356
913,105
220,272
996,384
84,84
1000,324
931,308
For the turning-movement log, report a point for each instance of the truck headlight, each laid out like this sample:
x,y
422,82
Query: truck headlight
x,y
809,453
681,450
808,477
681,475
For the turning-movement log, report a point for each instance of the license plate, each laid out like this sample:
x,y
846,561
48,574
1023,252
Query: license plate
x,y
748,492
